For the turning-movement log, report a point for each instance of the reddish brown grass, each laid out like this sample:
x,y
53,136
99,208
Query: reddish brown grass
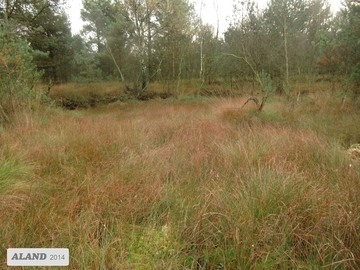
x,y
184,184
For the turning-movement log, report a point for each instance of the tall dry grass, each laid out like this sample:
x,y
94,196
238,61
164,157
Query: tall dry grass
x,y
185,185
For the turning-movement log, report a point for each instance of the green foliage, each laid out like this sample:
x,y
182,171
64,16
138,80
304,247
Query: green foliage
x,y
87,66
266,82
97,15
54,41
138,41
18,75
45,27
355,74
283,38
341,57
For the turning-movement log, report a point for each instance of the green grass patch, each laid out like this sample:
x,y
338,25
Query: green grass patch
x,y
15,172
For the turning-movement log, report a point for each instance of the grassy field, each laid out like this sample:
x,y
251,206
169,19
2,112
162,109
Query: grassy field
x,y
193,183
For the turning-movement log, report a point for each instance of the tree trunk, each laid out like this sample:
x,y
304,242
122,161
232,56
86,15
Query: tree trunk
x,y
286,57
149,44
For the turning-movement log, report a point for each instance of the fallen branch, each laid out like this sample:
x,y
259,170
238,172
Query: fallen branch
x,y
252,99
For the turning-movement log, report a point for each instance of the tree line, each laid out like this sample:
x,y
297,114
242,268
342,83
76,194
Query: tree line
x,y
142,41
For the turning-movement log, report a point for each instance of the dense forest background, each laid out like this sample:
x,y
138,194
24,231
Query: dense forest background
x,y
138,42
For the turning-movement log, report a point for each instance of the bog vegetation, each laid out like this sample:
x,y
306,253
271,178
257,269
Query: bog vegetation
x,y
187,184
151,141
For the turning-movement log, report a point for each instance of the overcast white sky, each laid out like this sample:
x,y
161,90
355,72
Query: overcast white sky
x,y
225,10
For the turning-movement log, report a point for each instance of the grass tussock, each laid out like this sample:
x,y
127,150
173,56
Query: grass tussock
x,y
186,185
